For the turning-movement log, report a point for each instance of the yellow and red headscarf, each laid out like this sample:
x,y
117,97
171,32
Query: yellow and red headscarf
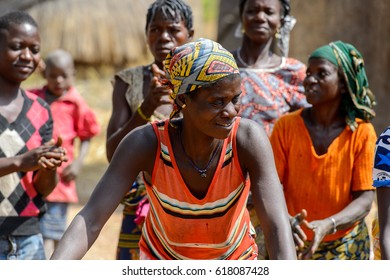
x,y
193,65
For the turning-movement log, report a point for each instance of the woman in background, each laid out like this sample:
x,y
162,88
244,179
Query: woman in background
x,y
324,157
271,81
138,98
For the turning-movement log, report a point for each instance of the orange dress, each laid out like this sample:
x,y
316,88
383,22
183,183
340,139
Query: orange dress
x,y
322,185
181,226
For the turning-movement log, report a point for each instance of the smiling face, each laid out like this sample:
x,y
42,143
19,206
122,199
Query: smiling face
x,y
323,85
213,109
261,19
19,52
164,34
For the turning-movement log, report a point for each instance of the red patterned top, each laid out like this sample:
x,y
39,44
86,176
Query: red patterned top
x,y
267,94
73,118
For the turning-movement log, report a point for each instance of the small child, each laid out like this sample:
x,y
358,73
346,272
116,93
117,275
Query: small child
x,y
28,155
73,118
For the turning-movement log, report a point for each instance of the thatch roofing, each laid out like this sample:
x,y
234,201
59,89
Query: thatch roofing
x,y
95,32
7,5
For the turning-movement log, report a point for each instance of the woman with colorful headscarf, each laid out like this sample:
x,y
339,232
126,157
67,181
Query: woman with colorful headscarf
x,y
324,157
198,182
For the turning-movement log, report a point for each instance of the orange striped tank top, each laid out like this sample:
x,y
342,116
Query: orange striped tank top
x,y
181,226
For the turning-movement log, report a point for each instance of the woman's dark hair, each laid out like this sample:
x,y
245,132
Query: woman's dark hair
x,y
16,17
171,9
286,8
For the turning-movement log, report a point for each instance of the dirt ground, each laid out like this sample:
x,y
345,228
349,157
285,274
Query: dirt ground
x,y
105,246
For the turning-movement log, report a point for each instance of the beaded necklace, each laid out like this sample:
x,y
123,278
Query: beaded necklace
x,y
202,172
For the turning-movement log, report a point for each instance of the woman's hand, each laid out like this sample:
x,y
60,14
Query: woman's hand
x,y
298,234
158,92
320,228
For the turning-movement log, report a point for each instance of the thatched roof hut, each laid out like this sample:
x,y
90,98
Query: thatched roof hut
x,y
96,32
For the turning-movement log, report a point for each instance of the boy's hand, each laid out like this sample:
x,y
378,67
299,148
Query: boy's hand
x,y
54,157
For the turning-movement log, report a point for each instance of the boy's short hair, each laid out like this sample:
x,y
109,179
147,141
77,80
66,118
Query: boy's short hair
x,y
16,17
59,54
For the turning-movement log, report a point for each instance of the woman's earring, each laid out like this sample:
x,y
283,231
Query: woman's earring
x,y
277,34
239,31
183,106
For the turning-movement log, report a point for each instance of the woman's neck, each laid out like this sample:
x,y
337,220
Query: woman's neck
x,y
325,117
257,55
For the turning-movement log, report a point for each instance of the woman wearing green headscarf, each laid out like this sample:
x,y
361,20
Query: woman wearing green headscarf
x,y
324,157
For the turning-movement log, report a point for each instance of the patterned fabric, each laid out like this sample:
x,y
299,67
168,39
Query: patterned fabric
x,y
20,204
197,64
267,94
353,246
322,184
173,205
130,232
129,236
72,118
375,239
350,61
260,238
381,170
381,178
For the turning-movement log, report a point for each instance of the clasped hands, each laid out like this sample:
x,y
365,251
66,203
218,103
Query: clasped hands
x,y
48,156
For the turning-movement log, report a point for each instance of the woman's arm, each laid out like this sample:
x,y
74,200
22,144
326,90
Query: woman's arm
x,y
256,157
355,211
123,120
133,156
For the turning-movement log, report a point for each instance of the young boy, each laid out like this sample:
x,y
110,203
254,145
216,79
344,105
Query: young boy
x,y
28,155
72,119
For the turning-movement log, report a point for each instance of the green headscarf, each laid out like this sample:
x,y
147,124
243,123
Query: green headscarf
x,y
350,61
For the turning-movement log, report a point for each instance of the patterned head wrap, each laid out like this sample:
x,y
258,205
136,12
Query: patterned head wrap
x,y
347,58
197,64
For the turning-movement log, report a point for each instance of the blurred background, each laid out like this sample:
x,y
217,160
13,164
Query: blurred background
x,y
105,36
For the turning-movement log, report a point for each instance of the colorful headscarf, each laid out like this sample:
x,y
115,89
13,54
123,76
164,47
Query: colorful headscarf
x,y
350,61
197,64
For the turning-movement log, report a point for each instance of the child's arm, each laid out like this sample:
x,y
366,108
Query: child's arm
x,y
72,170
44,160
